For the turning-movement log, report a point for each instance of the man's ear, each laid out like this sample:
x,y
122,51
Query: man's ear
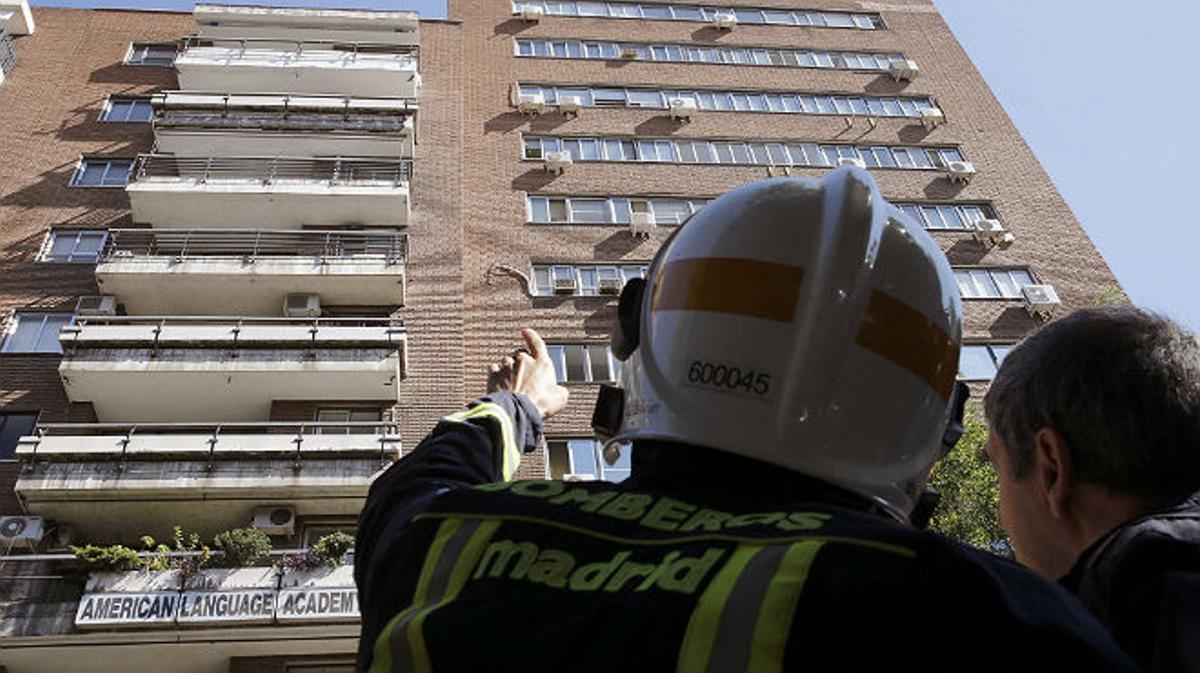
x,y
1053,470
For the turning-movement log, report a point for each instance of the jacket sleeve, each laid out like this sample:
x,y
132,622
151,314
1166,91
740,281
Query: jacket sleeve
x,y
480,445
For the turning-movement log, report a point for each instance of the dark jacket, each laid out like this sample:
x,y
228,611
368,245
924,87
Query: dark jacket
x,y
1142,581
699,561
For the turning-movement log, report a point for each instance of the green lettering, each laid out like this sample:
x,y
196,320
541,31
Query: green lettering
x,y
538,489
686,574
626,572
552,568
705,519
591,576
804,521
662,567
591,501
498,554
497,486
755,519
667,514
627,506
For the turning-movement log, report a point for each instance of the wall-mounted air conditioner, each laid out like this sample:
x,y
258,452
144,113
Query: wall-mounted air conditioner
x,y
298,305
21,532
629,53
557,162
1040,300
992,233
851,161
642,225
570,105
932,118
681,109
530,13
725,20
531,103
275,520
904,70
608,280
960,171
96,305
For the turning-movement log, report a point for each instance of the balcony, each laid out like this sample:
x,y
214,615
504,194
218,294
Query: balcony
x,y
297,23
120,481
248,271
190,123
269,192
209,368
297,66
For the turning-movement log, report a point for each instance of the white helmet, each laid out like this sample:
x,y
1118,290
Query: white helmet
x,y
804,323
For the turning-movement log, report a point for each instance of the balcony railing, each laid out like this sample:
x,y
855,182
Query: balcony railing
x,y
8,56
228,332
354,50
284,112
248,245
272,170
208,441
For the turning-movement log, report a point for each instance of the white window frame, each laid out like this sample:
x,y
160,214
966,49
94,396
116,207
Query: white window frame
x,y
106,111
990,350
141,63
558,355
84,258
85,162
550,270
704,13
992,273
14,324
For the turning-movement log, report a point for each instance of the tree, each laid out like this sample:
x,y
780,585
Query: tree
x,y
970,505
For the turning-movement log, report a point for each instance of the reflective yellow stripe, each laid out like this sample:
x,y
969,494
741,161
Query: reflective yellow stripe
x,y
466,561
702,627
774,623
510,452
381,661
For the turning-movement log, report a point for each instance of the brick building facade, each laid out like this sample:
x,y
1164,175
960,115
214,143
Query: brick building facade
x,y
485,229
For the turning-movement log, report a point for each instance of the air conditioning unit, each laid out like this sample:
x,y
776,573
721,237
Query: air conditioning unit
x,y
531,103
641,225
932,117
275,520
24,532
579,477
629,53
570,105
960,171
904,70
608,281
852,161
565,283
557,162
682,109
531,13
725,20
1040,300
992,233
97,305
302,306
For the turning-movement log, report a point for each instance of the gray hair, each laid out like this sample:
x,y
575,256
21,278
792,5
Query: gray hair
x,y
1122,385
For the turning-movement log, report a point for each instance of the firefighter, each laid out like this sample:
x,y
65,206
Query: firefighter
x,y
788,383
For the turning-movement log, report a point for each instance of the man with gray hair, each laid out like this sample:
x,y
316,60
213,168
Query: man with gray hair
x,y
1095,437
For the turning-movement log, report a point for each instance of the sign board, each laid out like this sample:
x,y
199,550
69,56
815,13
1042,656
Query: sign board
x,y
127,609
317,604
238,606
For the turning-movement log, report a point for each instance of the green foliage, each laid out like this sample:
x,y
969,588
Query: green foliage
x,y
242,546
104,558
970,504
332,548
1111,295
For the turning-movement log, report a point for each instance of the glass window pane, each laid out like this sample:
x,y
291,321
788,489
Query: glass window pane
x,y
984,282
576,362
621,466
583,457
558,356
966,285
1021,277
587,281
670,211
589,210
558,210
621,211
748,15
656,12
975,363
598,355
651,99
48,339
92,173
951,217
541,283
14,426
539,209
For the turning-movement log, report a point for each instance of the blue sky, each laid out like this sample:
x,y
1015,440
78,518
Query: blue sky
x,y
1105,93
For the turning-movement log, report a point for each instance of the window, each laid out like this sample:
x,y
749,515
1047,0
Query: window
x,y
585,458
93,172
742,101
609,210
154,54
663,12
958,216
587,280
743,153
992,283
74,245
35,332
127,109
14,426
979,362
584,363
348,415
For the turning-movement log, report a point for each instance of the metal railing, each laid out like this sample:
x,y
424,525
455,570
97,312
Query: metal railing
x,y
299,46
268,170
273,111
8,56
228,332
285,102
304,435
248,245
234,322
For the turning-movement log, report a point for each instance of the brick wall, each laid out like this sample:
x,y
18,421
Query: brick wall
x,y
1049,239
